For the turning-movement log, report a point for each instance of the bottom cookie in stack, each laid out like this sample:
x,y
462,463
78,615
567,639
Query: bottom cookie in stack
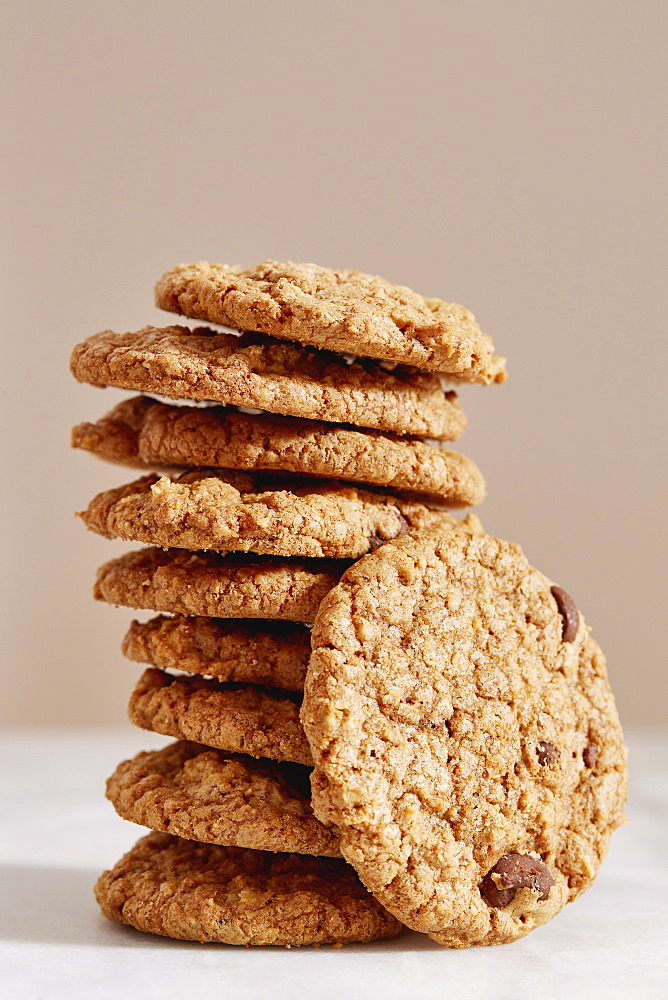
x,y
232,895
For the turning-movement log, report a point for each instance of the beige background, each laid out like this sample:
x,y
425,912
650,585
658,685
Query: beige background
x,y
509,156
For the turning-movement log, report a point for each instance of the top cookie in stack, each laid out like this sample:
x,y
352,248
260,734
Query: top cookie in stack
x,y
345,311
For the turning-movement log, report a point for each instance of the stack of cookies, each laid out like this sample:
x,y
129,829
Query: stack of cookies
x,y
441,750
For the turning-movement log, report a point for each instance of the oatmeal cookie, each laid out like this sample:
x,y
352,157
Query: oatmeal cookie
x,y
269,375
255,512
339,309
261,722
216,797
142,432
274,654
465,737
233,585
204,892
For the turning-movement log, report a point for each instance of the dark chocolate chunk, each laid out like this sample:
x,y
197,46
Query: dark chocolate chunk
x,y
403,524
513,872
590,755
375,541
547,753
569,612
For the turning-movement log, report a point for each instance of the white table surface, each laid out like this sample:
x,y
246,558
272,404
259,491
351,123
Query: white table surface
x,y
59,832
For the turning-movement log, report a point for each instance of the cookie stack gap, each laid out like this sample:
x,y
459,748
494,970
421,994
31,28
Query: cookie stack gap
x,y
271,466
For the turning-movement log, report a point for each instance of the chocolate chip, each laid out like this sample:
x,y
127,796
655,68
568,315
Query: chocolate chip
x,y
513,872
403,524
547,753
590,755
569,612
375,541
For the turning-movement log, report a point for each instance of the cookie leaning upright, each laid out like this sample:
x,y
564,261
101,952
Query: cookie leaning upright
x,y
466,741
342,310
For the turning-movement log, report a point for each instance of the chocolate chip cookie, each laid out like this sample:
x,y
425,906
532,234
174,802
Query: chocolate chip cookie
x,y
256,512
465,738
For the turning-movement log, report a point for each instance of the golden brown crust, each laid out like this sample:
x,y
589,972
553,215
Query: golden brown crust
x,y
241,718
218,797
258,512
455,729
282,378
143,432
225,586
339,309
203,892
274,654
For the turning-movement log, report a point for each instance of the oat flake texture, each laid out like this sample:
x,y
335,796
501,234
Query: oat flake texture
x,y
451,728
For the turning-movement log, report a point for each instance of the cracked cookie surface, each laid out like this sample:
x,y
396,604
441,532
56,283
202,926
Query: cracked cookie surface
x,y
258,512
255,371
143,432
204,892
342,310
217,797
465,737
